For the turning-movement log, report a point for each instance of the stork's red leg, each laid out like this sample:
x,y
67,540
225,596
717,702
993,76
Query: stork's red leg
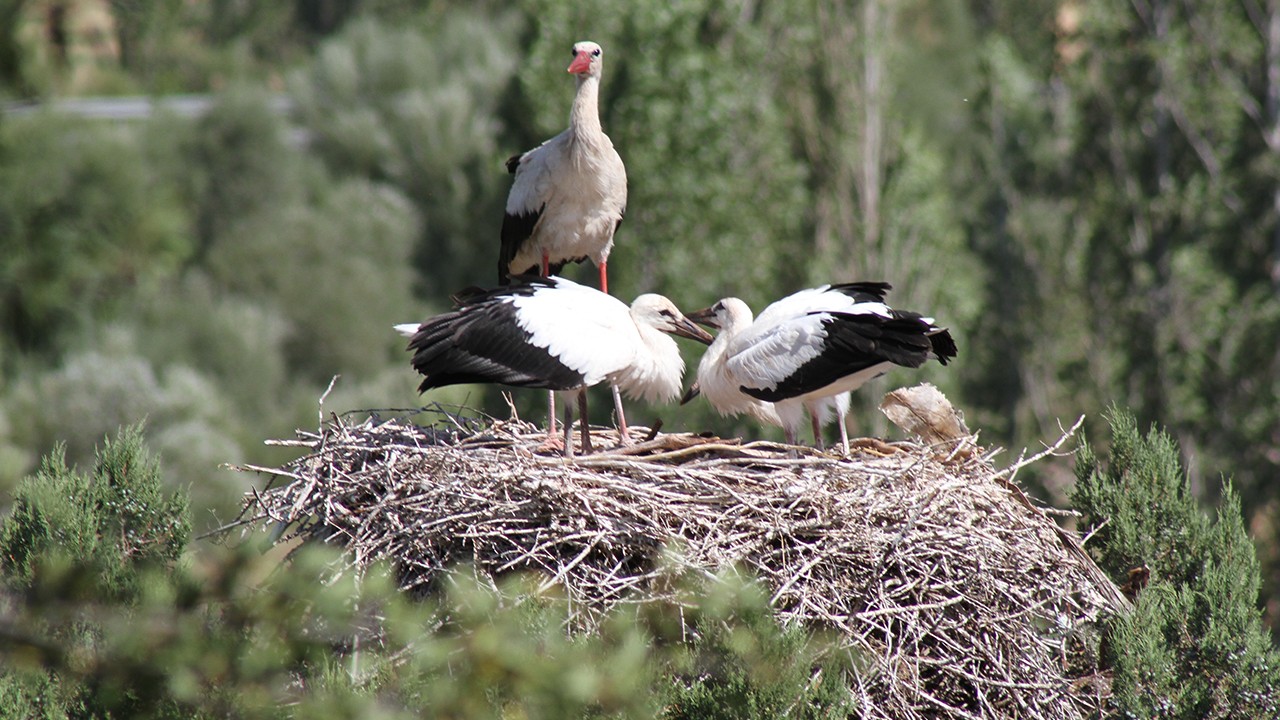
x,y
546,264
604,276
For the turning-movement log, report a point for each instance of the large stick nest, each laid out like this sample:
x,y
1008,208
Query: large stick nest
x,y
968,601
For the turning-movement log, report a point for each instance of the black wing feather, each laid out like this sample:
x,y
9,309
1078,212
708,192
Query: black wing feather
x,y
863,291
513,162
857,342
516,231
482,342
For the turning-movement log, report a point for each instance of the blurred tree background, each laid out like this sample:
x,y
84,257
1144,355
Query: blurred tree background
x,y
1087,193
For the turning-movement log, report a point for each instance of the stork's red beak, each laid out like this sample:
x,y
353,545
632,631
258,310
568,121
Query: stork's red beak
x,y
581,63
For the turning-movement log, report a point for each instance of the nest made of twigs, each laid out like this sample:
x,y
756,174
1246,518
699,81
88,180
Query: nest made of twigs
x,y
969,600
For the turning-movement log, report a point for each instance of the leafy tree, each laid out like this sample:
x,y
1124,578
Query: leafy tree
x,y
412,106
113,522
1166,189
337,267
1194,646
92,392
82,218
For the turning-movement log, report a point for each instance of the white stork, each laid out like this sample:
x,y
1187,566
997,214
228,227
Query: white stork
x,y
570,192
555,334
808,351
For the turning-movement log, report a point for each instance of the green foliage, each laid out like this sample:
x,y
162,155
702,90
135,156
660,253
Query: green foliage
x,y
95,391
235,163
413,106
81,220
737,663
1194,646
347,278
104,615
109,524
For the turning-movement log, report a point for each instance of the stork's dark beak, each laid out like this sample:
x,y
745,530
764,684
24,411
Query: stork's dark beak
x,y
690,394
706,316
684,327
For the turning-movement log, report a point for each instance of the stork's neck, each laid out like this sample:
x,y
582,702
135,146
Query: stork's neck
x,y
656,372
584,118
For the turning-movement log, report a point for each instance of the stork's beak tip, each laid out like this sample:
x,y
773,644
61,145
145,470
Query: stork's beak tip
x,y
690,394
685,327
706,316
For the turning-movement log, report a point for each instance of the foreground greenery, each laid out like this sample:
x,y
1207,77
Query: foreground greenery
x,y
107,614
107,611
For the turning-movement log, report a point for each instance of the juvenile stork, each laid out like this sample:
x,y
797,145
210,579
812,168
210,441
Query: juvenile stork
x,y
555,334
570,192
808,351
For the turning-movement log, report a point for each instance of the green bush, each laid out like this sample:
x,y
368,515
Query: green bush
x,y
1194,646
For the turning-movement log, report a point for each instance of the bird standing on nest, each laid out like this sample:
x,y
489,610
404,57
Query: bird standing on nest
x,y
808,351
570,192
555,334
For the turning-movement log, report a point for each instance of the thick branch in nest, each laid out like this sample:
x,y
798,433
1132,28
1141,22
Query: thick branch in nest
x,y
970,600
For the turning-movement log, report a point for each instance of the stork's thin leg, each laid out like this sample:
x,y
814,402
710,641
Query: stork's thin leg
x,y
790,434
553,440
604,276
844,432
568,429
551,394
817,427
586,433
551,413
622,418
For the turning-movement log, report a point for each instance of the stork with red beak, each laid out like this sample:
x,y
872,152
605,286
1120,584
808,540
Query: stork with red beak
x,y
570,192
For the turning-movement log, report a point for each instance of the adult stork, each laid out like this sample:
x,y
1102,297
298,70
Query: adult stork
x,y
570,192
555,334
808,351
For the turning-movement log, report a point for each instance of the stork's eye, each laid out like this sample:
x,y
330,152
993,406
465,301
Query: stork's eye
x,y
595,53
573,52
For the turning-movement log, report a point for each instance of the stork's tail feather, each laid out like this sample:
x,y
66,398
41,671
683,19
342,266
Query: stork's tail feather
x,y
943,346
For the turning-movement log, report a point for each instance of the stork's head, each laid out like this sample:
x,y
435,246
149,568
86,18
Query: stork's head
x,y
730,314
588,59
660,313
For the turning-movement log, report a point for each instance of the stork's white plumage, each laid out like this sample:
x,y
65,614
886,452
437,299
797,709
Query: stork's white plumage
x,y
807,351
556,334
570,192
